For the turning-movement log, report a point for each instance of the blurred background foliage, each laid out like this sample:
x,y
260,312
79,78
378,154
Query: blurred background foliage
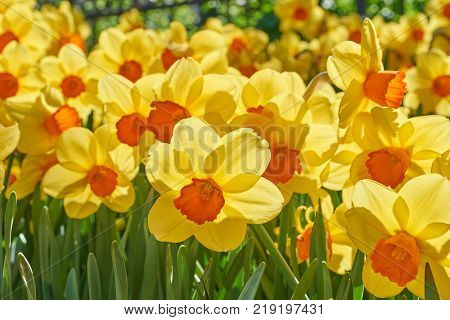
x,y
243,13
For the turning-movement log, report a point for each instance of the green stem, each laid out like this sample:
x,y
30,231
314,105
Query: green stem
x,y
276,255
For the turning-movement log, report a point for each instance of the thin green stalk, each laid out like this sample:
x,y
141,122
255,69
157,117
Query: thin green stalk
x,y
276,255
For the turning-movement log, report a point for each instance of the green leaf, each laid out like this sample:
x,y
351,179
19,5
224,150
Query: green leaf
x,y
9,219
344,287
318,247
93,277
27,276
150,277
305,281
356,275
252,285
327,292
431,292
120,272
71,292
184,282
275,255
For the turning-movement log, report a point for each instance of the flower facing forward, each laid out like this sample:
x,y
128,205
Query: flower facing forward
x,y
358,70
70,73
93,168
429,83
400,233
395,149
211,187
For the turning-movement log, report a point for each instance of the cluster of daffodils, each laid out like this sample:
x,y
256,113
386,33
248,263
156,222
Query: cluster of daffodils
x,y
229,127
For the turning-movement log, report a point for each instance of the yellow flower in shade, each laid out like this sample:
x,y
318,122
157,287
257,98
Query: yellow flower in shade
x,y
32,172
246,47
439,11
5,4
429,83
442,165
131,55
67,26
20,23
211,186
353,24
20,82
415,33
127,106
9,137
205,46
340,249
394,148
441,39
69,73
305,16
185,91
358,70
400,233
93,168
131,20
44,123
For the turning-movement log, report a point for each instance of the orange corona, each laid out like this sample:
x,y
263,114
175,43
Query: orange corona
x,y
9,86
441,85
64,118
283,164
6,38
386,88
103,180
163,118
72,86
397,258
200,201
131,70
130,128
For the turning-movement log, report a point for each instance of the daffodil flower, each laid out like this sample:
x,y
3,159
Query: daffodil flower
x,y
400,233
358,71
211,186
9,137
93,168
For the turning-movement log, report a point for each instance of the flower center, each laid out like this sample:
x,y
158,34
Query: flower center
x,y
238,45
8,85
168,59
64,118
260,110
388,166
283,164
75,39
163,118
441,86
355,36
301,14
248,70
417,34
102,180
130,128
447,10
131,70
386,88
72,86
6,38
304,242
397,258
200,201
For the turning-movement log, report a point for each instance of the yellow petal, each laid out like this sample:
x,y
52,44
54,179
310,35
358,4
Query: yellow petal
x,y
73,60
122,197
371,52
73,150
60,181
353,101
226,235
9,137
81,203
166,223
431,133
377,284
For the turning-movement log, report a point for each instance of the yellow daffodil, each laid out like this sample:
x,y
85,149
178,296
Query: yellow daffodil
x,y
211,186
20,23
44,123
185,91
67,26
69,73
441,39
305,16
358,70
93,168
20,82
353,24
394,148
32,172
128,106
400,233
442,165
9,137
429,83
131,20
415,31
131,54
439,11
340,248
